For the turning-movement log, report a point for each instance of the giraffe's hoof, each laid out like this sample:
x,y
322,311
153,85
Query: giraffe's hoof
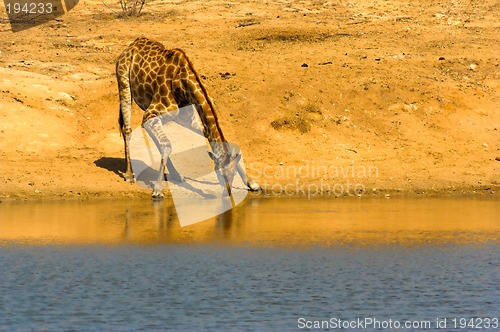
x,y
130,180
157,195
254,186
128,177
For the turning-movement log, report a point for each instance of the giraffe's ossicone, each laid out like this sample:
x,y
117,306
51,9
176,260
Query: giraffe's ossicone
x,y
163,80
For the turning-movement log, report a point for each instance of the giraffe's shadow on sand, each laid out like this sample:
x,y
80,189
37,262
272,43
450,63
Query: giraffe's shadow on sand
x,y
112,164
148,176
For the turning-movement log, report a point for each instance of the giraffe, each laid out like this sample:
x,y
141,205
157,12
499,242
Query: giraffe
x,y
160,81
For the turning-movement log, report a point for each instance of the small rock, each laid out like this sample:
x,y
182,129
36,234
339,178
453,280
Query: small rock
x,y
66,96
442,58
473,66
377,59
497,158
304,65
341,118
387,196
485,145
281,163
226,75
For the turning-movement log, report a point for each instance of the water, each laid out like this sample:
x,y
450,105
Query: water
x,y
271,264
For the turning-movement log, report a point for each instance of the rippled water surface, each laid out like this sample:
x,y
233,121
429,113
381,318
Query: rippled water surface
x,y
270,264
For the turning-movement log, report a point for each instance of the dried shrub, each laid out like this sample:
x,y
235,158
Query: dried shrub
x,y
299,124
131,7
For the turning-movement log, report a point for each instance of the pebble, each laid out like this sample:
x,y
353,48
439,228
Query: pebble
x,y
66,96
473,66
304,65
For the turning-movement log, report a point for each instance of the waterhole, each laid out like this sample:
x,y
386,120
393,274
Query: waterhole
x,y
269,264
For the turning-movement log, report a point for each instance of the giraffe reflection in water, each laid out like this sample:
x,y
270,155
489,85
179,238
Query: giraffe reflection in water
x,y
259,221
163,225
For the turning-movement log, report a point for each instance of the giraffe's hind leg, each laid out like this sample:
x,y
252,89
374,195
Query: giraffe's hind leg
x,y
125,110
128,175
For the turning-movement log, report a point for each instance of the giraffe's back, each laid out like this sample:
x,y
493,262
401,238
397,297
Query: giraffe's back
x,y
162,79
148,62
150,69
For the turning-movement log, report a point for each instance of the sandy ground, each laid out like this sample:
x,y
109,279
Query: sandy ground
x,y
334,97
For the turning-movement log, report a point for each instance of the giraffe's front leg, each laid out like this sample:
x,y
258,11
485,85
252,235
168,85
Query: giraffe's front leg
x,y
251,184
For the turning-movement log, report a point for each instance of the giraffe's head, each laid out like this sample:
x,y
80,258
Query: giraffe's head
x,y
225,164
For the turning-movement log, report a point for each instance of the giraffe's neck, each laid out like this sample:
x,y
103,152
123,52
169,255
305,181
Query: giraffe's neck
x,y
206,109
212,129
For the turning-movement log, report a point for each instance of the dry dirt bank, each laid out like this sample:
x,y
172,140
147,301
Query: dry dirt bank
x,y
381,96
